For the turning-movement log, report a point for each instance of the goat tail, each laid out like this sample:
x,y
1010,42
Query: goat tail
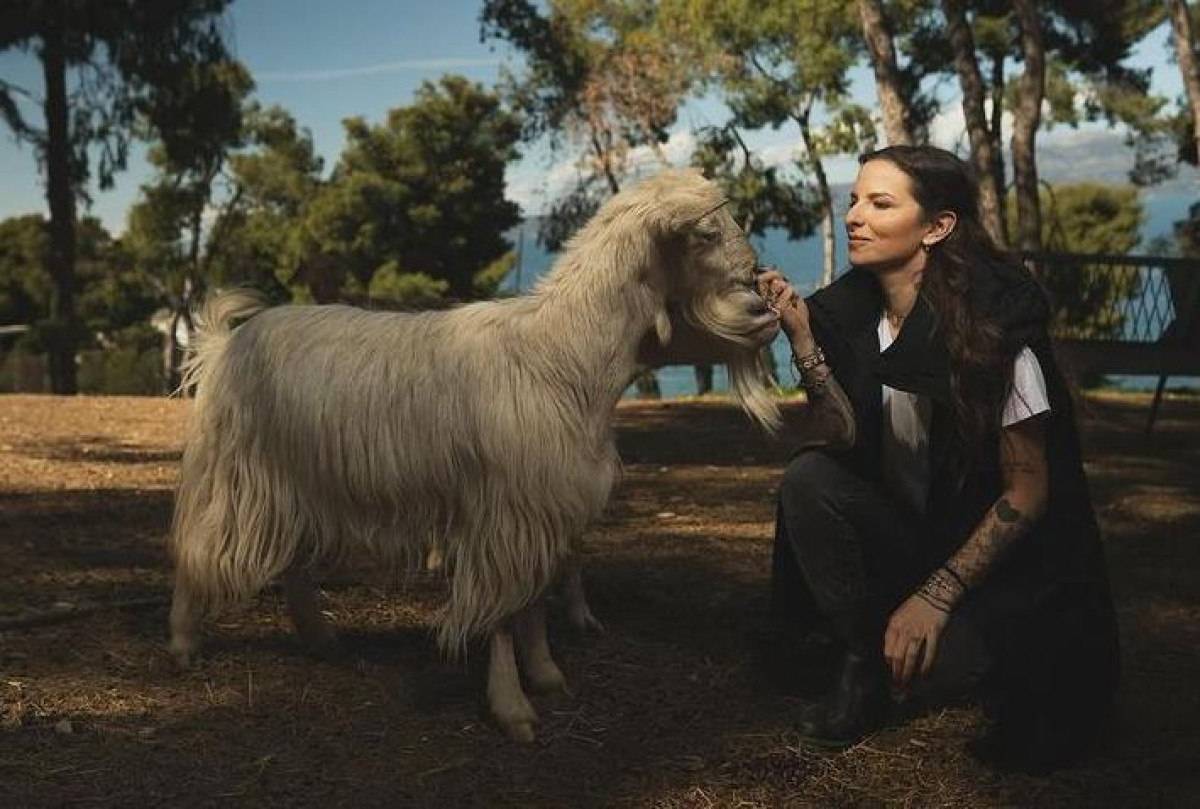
x,y
213,326
222,503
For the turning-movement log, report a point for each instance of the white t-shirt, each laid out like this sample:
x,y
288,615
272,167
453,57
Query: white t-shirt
x,y
906,418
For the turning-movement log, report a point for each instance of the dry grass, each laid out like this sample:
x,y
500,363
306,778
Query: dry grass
x,y
685,702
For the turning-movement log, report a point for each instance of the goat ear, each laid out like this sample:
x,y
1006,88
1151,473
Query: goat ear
x,y
682,198
662,327
690,211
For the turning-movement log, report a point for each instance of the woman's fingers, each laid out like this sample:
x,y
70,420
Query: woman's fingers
x,y
912,659
931,647
893,650
784,294
766,279
775,285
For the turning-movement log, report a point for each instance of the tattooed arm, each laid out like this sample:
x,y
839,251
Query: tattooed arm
x,y
1026,489
916,626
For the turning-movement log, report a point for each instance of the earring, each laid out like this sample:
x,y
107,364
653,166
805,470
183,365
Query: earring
x,y
926,246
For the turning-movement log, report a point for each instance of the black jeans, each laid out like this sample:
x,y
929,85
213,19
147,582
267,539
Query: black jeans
x,y
847,554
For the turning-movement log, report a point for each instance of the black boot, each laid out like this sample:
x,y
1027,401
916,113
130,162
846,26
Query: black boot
x,y
857,705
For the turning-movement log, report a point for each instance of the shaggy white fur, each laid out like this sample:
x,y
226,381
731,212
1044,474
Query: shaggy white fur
x,y
484,433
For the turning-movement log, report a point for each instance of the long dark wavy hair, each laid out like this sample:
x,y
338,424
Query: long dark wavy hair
x,y
981,354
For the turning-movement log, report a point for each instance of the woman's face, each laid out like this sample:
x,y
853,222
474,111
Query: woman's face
x,y
885,224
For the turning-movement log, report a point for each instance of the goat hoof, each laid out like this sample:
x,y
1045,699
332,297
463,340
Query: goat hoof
x,y
583,621
181,653
521,732
518,721
548,682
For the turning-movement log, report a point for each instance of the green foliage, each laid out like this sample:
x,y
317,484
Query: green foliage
x,y
114,294
258,239
22,369
131,364
1159,150
24,287
169,237
122,351
389,283
1187,233
424,189
487,281
1091,218
604,78
1096,219
571,211
113,70
593,71
781,62
144,68
1087,45
760,197
556,61
775,59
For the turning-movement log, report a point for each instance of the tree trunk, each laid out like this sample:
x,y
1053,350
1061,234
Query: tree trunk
x,y
1185,53
887,76
605,159
193,289
1025,125
814,160
647,385
970,81
996,128
704,379
62,333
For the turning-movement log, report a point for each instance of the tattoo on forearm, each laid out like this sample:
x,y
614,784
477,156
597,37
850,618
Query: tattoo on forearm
x,y
999,529
1005,512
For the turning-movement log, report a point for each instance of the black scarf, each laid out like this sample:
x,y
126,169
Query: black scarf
x,y
847,313
845,320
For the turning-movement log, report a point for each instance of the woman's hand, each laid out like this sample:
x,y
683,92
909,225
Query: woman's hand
x,y
781,296
911,640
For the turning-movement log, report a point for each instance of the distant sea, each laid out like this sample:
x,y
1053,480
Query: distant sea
x,y
801,262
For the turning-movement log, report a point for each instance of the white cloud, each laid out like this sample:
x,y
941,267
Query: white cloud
x,y
418,65
779,154
1092,151
534,186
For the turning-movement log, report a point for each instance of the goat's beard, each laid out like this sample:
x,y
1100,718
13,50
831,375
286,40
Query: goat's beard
x,y
734,317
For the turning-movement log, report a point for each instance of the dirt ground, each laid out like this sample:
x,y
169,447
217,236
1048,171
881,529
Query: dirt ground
x,y
685,701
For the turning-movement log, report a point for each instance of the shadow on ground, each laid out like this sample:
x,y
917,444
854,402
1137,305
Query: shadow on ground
x,y
684,701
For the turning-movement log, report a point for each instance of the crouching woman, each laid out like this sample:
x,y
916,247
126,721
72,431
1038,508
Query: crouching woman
x,y
948,541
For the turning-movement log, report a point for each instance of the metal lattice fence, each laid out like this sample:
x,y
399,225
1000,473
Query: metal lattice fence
x,y
1123,299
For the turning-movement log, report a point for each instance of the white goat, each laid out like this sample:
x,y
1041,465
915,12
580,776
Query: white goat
x,y
325,433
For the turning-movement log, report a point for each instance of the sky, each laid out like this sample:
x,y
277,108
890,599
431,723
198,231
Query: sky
x,y
327,61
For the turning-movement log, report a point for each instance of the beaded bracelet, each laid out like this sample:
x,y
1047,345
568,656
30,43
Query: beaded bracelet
x,y
939,590
940,606
954,575
809,361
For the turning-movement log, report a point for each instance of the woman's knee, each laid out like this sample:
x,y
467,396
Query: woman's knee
x,y
811,477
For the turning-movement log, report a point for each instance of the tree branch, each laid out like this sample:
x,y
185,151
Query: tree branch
x,y
11,112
